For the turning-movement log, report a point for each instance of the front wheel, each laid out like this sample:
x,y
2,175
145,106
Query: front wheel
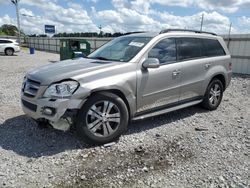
x,y
213,96
102,119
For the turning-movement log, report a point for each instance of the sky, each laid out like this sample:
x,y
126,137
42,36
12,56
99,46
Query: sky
x,y
128,15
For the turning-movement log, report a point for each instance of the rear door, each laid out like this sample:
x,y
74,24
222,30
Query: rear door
x,y
159,87
193,68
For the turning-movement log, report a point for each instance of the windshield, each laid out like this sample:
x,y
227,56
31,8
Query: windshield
x,y
120,49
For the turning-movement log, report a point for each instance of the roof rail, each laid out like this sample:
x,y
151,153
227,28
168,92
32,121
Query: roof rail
x,y
186,30
134,32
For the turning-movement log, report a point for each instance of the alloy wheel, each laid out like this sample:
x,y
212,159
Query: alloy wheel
x,y
215,94
103,118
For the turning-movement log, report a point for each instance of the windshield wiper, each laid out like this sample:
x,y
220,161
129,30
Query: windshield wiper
x,y
101,58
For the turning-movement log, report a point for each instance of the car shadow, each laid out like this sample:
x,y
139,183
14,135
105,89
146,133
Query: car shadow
x,y
23,136
168,118
52,61
3,54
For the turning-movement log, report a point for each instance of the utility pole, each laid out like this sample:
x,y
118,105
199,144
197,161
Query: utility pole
x,y
100,27
15,2
202,19
229,35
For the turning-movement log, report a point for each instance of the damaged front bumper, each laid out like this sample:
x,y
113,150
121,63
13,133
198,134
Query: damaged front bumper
x,y
58,112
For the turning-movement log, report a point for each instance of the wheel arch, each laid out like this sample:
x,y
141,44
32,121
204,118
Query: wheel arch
x,y
119,93
9,48
220,77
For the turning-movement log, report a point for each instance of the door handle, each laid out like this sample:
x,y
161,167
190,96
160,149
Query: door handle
x,y
207,65
176,72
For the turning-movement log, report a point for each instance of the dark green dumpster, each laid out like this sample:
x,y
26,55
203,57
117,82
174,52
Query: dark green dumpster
x,y
73,48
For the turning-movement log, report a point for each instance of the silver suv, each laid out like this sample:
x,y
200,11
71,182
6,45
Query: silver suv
x,y
129,78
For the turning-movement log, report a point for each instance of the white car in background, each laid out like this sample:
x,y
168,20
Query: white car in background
x,y
9,46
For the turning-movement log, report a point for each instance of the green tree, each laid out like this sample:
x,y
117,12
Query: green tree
x,y
9,29
1,32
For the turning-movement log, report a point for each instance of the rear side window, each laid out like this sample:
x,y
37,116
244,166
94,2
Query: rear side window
x,y
5,41
212,48
189,48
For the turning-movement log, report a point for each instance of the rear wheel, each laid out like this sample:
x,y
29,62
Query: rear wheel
x,y
213,96
9,51
102,119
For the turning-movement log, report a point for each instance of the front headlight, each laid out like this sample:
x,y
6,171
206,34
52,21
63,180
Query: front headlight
x,y
61,90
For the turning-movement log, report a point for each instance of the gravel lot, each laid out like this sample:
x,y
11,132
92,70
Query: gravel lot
x,y
187,148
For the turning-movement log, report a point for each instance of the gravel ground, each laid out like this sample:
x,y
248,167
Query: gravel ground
x,y
187,148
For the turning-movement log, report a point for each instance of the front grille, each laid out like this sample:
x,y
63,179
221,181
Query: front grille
x,y
29,105
30,88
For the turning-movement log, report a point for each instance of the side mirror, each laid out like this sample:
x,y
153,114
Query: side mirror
x,y
151,63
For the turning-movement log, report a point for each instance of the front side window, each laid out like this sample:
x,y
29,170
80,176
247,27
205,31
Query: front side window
x,y
121,49
165,51
189,48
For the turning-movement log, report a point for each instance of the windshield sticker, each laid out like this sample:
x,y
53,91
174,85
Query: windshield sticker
x,y
137,44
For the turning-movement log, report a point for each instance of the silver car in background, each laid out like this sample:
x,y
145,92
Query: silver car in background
x,y
131,77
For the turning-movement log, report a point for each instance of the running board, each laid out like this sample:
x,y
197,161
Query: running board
x,y
166,110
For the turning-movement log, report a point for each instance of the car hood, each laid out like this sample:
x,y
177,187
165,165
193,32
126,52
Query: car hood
x,y
67,69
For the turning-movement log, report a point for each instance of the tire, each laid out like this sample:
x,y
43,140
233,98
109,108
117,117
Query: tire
x,y
213,96
9,51
102,119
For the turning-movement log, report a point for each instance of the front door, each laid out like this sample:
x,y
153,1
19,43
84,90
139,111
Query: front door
x,y
159,87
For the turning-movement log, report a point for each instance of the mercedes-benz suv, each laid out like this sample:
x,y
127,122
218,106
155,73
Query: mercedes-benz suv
x,y
129,78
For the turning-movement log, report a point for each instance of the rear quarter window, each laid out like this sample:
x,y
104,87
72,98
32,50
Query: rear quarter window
x,y
212,48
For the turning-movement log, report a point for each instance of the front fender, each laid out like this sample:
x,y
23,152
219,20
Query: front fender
x,y
123,83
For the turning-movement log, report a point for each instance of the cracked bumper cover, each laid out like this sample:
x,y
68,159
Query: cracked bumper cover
x,y
35,108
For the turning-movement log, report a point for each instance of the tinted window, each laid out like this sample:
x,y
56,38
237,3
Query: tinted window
x,y
212,48
189,48
165,51
5,41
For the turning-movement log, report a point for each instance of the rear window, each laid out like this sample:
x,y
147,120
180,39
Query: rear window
x,y
212,48
189,48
